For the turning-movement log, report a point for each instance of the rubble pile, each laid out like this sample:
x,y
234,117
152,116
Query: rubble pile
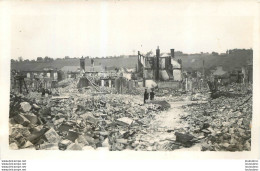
x,y
223,123
97,117
135,91
236,88
68,85
69,82
79,122
167,92
26,124
110,90
173,95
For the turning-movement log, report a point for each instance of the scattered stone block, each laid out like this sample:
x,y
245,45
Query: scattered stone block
x,y
12,121
64,144
122,141
36,135
206,131
105,143
248,146
35,106
103,133
72,136
89,139
185,139
25,106
31,117
28,144
81,140
59,97
49,146
20,119
13,146
59,121
64,127
74,146
92,120
125,121
52,136
20,140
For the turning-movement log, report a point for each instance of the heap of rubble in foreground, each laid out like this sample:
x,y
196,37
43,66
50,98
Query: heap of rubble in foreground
x,y
78,122
222,124
92,120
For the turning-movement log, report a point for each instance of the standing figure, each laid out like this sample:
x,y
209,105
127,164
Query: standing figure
x,y
146,95
43,92
151,95
215,84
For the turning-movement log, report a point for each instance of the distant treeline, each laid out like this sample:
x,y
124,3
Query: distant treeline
x,y
49,59
231,59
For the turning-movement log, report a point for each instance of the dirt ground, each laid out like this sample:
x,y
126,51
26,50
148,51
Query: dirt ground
x,y
160,132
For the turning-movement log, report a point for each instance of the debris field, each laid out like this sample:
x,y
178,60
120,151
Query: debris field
x,y
85,120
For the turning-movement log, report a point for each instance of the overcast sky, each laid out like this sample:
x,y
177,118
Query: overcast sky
x,y
117,27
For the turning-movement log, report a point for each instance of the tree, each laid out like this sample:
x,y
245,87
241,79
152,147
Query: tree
x,y
178,53
20,59
214,53
48,59
150,53
39,59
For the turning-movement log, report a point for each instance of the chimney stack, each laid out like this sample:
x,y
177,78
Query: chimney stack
x,y
92,62
157,63
138,62
172,53
82,63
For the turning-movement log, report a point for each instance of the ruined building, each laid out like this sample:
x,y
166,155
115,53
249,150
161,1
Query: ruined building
x,y
164,69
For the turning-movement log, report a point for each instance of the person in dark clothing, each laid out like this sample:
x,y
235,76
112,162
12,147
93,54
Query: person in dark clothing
x,y
47,91
152,95
50,92
146,95
43,92
216,84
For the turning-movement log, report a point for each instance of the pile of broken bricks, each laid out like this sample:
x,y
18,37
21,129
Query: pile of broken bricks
x,y
223,124
78,122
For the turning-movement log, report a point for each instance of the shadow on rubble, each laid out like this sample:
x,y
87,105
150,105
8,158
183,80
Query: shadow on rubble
x,y
164,105
218,94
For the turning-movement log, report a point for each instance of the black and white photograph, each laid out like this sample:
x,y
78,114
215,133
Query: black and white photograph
x,y
165,76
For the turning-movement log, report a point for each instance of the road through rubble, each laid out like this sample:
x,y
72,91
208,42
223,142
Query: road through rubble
x,y
161,131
